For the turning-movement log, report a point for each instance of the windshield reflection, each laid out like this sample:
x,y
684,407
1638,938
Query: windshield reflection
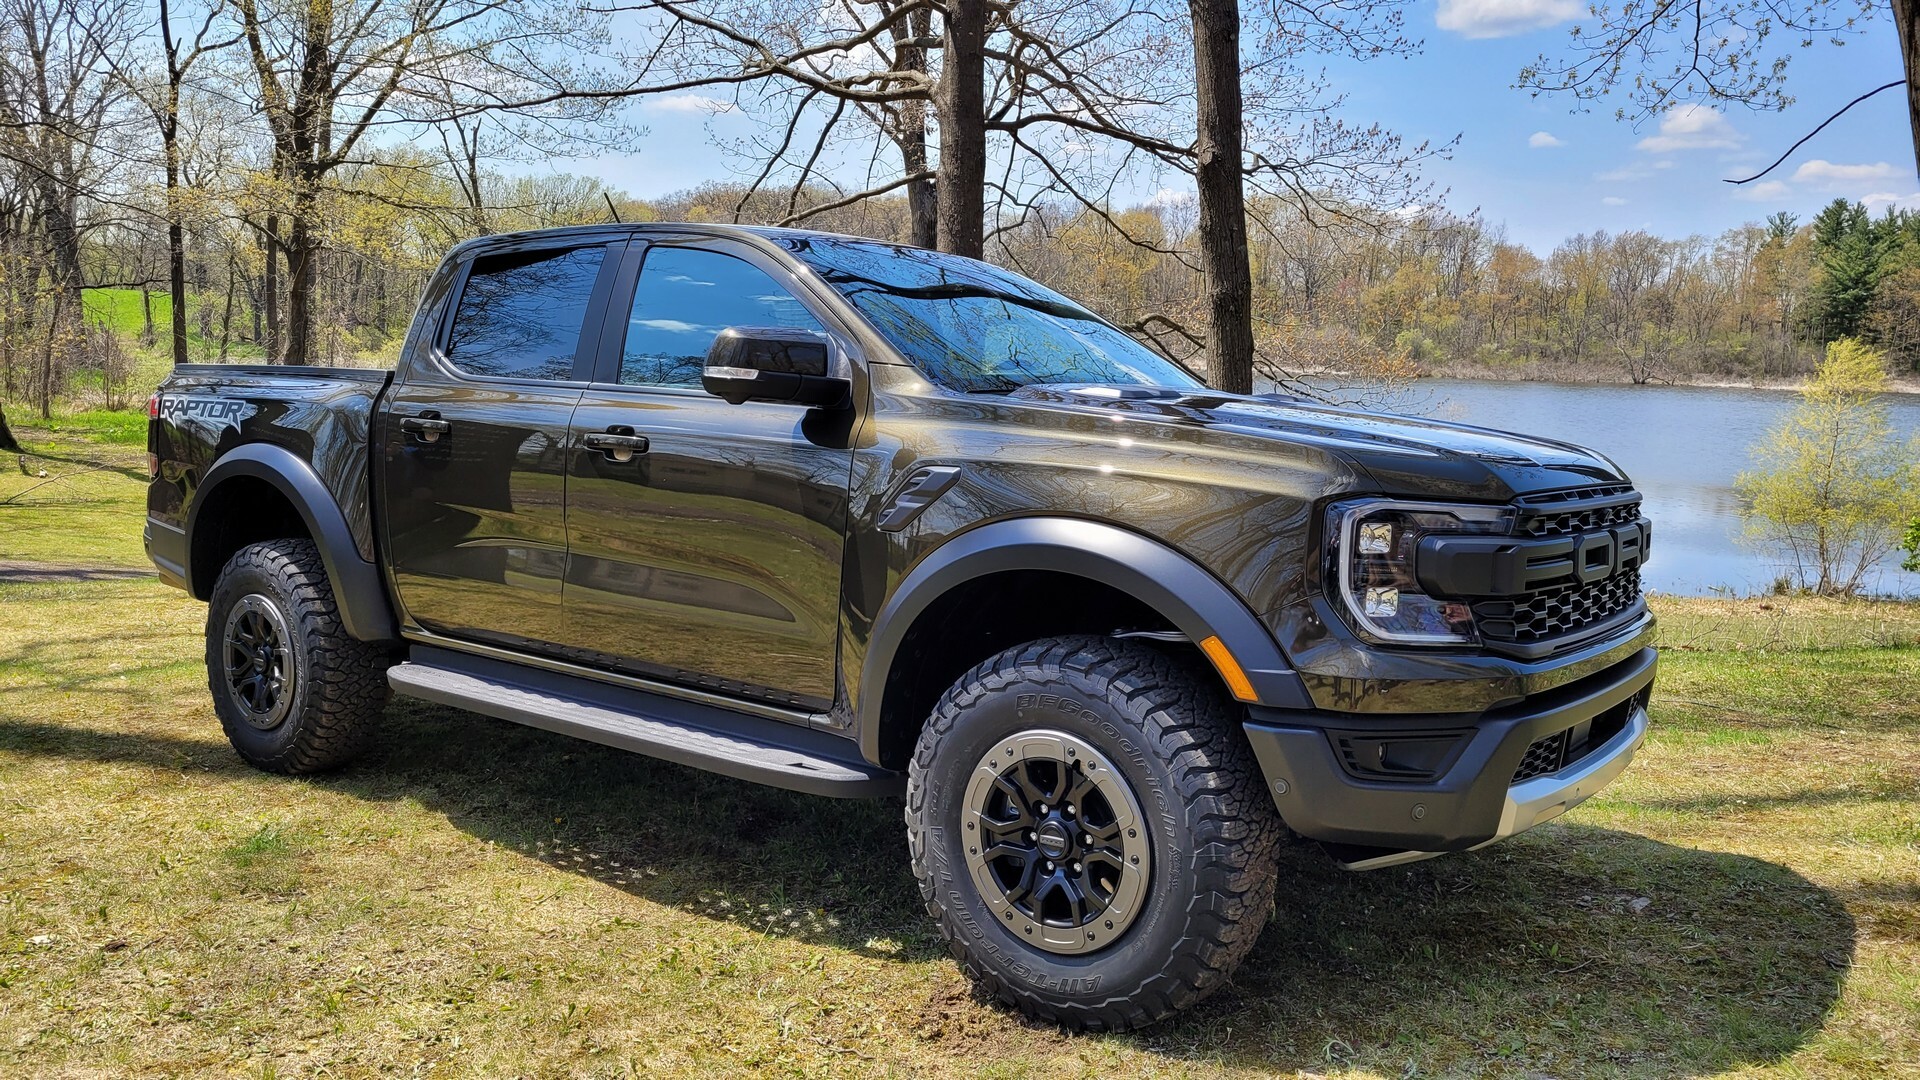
x,y
970,326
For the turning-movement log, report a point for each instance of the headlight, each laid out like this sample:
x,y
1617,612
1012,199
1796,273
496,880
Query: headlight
x,y
1372,544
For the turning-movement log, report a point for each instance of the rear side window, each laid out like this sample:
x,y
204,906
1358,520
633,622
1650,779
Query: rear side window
x,y
520,314
684,298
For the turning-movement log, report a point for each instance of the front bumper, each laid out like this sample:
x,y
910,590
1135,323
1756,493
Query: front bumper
x,y
1384,790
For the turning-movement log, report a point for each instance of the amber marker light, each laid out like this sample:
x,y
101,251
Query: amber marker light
x,y
1229,668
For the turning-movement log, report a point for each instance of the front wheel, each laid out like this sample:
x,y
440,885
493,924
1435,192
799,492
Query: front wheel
x,y
294,692
1091,832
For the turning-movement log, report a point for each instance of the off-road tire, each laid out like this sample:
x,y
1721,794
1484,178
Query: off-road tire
x,y
1163,723
337,685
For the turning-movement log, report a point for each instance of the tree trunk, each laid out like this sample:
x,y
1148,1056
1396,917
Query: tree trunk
x,y
54,324
7,441
1223,214
170,141
963,131
177,280
270,244
300,280
923,206
1906,19
226,315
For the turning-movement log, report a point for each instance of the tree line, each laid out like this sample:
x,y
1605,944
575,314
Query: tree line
x,y
272,179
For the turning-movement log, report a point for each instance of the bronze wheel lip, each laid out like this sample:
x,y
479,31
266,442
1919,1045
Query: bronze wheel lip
x,y
1100,864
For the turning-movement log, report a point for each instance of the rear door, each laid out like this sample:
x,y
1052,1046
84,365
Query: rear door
x,y
710,554
474,442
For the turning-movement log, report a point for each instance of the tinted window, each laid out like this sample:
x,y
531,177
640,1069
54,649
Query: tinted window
x,y
972,326
684,298
520,314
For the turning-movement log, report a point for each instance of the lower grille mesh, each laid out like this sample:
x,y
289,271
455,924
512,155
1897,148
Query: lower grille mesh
x,y
1555,612
1542,757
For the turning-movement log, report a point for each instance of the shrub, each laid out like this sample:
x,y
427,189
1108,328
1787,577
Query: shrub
x,y
1834,487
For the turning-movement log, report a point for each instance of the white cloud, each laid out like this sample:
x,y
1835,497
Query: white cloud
x,y
1692,127
1769,191
1502,18
1613,200
1168,197
1887,198
1541,140
1821,171
687,103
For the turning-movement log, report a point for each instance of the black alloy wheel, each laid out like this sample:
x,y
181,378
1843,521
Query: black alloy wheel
x,y
259,661
1054,843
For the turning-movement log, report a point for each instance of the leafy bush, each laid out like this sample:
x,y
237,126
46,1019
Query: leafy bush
x,y
1835,487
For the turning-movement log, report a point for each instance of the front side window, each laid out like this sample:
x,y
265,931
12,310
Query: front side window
x,y
970,326
520,314
684,298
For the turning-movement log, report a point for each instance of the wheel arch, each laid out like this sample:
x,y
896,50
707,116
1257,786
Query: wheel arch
x,y
1122,570
215,530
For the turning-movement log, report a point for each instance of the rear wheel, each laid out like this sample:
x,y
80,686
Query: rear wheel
x,y
1090,830
293,691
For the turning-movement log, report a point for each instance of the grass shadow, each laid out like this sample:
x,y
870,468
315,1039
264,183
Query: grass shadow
x,y
1534,956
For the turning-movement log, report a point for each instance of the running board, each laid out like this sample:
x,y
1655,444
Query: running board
x,y
689,733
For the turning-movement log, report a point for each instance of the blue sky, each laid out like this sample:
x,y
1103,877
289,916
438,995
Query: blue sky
x,y
1531,164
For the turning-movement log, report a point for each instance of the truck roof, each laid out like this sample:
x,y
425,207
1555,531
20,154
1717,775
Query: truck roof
x,y
764,232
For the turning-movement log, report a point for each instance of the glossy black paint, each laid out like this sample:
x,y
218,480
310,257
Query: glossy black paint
x,y
739,549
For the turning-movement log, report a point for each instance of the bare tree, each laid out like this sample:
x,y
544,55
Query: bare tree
x,y
327,75
163,104
57,103
1662,54
1217,173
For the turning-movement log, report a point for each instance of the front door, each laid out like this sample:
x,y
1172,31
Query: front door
x,y
473,448
708,553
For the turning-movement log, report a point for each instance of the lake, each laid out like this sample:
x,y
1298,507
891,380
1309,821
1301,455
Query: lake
x,y
1682,446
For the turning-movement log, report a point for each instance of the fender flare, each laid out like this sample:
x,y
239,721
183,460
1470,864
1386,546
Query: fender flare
x,y
358,590
1181,590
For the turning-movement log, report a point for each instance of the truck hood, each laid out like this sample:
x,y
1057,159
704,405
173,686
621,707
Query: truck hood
x,y
1404,455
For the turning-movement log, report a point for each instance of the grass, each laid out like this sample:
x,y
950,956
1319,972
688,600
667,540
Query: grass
x,y
121,311
121,428
476,898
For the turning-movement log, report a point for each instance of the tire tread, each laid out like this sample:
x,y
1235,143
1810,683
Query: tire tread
x,y
1237,833
347,679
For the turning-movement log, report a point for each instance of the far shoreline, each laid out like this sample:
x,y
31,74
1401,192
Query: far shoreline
x,y
1895,384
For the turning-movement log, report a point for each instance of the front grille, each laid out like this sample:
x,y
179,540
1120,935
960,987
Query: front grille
x,y
1557,612
1542,757
1553,518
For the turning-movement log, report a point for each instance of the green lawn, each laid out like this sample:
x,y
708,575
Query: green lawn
x,y
121,311
476,898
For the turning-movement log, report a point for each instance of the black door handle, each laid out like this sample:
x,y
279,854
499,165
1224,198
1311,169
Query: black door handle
x,y
426,427
618,444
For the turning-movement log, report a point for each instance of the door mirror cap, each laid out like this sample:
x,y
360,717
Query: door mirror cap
x,y
773,363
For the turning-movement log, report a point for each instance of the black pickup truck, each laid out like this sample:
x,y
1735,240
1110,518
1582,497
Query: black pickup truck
x,y
861,520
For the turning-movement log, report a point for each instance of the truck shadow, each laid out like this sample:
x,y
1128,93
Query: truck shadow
x,y
1537,955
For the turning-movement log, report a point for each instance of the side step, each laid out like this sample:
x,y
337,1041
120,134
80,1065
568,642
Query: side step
x,y
703,736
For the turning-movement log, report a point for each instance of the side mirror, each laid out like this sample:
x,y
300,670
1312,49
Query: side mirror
x,y
772,363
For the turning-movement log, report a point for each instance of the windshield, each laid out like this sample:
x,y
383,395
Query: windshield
x,y
973,327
